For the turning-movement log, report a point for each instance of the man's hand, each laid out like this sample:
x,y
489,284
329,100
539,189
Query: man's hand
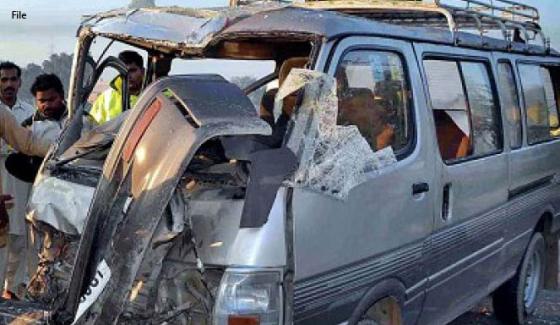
x,y
4,226
20,138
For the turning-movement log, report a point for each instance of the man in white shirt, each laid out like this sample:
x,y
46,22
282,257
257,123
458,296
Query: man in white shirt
x,y
13,258
45,124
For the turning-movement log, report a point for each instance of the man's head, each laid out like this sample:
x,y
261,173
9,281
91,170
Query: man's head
x,y
10,82
135,65
49,95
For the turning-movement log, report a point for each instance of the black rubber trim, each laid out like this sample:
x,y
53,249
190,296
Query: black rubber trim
x,y
530,187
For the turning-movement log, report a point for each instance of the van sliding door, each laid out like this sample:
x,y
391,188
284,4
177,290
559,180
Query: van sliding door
x,y
467,238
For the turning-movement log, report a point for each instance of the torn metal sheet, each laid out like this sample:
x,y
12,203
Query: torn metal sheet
x,y
333,159
96,140
156,25
61,204
57,252
185,29
269,169
215,202
185,295
175,223
210,98
215,221
23,313
140,303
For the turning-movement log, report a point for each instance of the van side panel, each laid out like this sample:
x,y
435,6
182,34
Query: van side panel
x,y
533,188
343,248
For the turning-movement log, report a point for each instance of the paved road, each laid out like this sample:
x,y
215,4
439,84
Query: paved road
x,y
548,312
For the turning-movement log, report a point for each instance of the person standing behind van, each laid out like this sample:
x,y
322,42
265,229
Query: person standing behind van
x,y
109,104
12,265
46,124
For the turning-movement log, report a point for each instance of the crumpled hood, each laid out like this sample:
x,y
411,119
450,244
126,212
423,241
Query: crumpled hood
x,y
61,204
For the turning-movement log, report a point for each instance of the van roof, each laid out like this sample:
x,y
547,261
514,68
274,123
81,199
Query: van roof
x,y
188,31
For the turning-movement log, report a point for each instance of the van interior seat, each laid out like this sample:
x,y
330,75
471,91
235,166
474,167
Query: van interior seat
x,y
267,100
266,110
453,143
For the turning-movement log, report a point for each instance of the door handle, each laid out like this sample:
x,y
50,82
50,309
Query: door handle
x,y
445,202
420,188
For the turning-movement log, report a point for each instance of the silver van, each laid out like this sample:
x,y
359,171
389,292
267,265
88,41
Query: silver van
x,y
389,169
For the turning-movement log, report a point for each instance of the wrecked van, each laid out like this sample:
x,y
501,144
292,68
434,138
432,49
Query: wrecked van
x,y
401,171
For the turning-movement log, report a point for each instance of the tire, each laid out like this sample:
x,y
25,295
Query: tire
x,y
387,311
516,299
386,298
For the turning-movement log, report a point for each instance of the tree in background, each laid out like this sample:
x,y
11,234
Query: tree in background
x,y
59,64
28,75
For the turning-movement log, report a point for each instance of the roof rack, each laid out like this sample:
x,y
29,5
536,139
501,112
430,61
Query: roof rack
x,y
516,21
237,3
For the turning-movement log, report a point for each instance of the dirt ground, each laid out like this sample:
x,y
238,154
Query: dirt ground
x,y
548,312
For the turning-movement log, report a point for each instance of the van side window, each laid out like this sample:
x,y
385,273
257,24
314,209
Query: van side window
x,y
485,118
449,105
510,104
551,102
373,95
536,103
464,106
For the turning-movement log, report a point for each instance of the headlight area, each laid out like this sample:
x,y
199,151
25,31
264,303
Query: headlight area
x,y
249,297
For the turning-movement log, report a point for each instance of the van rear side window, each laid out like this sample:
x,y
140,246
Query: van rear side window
x,y
540,103
510,104
464,106
550,77
485,117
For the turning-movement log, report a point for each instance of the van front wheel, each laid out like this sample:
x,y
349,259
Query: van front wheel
x,y
384,312
516,299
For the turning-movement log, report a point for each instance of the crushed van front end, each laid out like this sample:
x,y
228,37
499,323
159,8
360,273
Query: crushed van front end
x,y
171,214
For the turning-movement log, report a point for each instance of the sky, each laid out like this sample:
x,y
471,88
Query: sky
x,y
51,25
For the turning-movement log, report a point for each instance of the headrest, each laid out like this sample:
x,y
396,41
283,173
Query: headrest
x,y
288,65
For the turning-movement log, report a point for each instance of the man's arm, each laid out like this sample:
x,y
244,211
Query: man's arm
x,y
20,138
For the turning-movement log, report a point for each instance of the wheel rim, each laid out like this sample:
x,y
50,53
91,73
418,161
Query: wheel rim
x,y
532,279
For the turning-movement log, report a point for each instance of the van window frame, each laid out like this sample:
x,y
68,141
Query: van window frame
x,y
458,58
408,149
556,92
543,64
522,114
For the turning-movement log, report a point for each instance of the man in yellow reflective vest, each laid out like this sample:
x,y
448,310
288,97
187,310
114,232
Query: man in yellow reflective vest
x,y
109,104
